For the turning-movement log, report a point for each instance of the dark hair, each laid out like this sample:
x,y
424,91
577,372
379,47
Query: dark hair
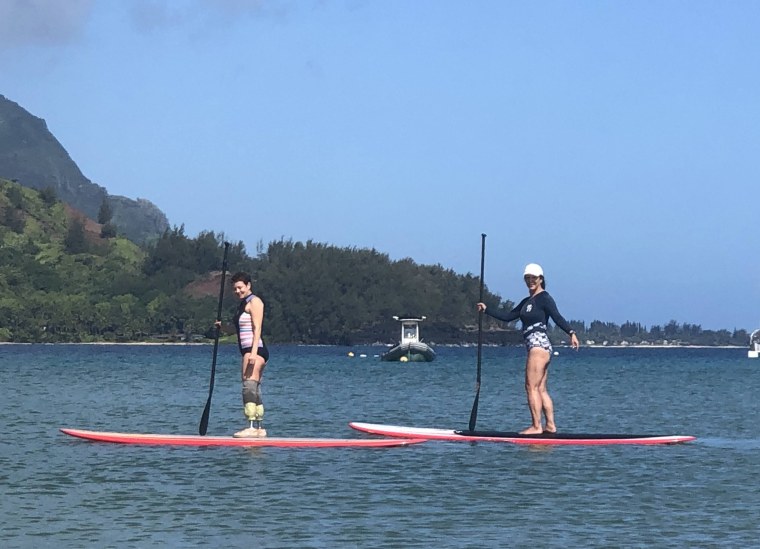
x,y
245,278
543,282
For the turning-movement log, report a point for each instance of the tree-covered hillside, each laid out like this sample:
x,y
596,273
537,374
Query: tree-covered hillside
x,y
317,292
63,277
67,278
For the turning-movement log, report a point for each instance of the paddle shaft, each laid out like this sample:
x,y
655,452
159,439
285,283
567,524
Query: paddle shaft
x,y
474,412
203,427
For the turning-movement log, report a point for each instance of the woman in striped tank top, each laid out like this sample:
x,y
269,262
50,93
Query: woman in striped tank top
x,y
248,322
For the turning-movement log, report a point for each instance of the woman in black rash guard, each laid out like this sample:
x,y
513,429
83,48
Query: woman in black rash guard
x,y
534,311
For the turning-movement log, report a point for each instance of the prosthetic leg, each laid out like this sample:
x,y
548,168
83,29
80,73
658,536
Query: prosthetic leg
x,y
253,409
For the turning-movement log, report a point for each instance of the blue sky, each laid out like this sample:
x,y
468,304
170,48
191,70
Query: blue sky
x,y
615,143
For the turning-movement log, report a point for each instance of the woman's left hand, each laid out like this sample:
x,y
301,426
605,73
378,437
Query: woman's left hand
x,y
574,343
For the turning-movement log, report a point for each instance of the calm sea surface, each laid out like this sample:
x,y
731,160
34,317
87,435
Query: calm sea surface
x,y
58,491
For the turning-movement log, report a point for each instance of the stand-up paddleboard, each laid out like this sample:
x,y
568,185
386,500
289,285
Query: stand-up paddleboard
x,y
515,438
196,440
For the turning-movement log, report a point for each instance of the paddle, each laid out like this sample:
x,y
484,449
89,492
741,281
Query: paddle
x,y
204,418
474,412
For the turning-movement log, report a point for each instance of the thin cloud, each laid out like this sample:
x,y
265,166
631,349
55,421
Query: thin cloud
x,y
42,22
149,16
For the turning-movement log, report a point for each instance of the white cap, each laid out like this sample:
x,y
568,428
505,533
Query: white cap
x,y
533,269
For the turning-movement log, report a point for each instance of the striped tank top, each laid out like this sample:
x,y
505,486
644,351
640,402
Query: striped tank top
x,y
244,325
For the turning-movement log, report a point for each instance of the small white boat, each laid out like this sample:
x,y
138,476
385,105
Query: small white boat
x,y
754,345
410,349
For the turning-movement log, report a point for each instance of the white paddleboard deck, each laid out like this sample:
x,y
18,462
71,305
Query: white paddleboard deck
x,y
452,435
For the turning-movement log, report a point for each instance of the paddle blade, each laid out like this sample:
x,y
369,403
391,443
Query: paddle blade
x,y
203,427
474,412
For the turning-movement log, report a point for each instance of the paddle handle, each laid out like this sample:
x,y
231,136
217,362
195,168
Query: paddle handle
x,y
480,314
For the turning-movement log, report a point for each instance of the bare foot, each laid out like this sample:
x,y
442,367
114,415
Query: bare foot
x,y
532,431
550,428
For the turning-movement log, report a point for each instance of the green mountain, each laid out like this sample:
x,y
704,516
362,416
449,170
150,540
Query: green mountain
x,y
33,157
54,265
64,278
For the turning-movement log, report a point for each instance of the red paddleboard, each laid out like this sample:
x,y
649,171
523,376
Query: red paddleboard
x,y
515,438
196,440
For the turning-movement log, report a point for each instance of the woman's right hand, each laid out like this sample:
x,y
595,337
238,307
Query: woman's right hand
x,y
481,307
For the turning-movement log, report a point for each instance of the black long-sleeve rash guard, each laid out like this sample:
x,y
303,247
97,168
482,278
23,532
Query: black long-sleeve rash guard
x,y
534,312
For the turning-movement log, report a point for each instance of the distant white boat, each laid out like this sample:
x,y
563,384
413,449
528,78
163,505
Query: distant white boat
x,y
410,349
754,345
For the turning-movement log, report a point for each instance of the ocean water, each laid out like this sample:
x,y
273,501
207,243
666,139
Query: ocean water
x,y
62,492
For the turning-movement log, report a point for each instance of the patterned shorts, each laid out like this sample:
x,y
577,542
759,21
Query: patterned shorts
x,y
538,339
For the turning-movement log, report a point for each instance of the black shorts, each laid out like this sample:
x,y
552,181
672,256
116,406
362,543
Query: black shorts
x,y
262,351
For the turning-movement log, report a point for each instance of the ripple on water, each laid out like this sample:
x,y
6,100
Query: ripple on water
x,y
62,492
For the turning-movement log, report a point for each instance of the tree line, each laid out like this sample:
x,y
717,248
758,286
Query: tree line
x,y
64,278
634,333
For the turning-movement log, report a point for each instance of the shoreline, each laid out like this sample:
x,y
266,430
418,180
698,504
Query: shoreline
x,y
200,344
